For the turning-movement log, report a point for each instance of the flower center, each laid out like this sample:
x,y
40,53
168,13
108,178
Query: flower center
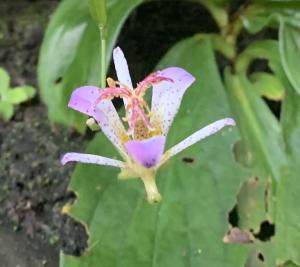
x,y
137,110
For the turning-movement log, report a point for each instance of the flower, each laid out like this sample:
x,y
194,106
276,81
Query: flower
x,y
142,145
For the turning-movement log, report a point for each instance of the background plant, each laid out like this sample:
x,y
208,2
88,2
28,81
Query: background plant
x,y
254,168
12,96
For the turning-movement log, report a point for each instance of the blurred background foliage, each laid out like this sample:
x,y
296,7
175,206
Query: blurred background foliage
x,y
232,200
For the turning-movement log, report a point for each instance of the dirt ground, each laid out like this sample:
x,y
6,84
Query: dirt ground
x,y
33,184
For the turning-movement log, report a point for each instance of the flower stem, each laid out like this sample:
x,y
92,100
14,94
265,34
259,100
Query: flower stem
x,y
103,56
153,196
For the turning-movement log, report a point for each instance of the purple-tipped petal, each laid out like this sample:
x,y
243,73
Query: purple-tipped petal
x,y
167,96
201,134
146,152
92,159
83,99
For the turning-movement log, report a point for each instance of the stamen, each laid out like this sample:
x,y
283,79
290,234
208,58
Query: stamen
x,y
151,79
111,82
136,105
110,93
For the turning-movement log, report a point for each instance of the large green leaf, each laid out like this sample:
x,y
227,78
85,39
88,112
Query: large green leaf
x,y
70,54
289,40
259,128
288,193
187,227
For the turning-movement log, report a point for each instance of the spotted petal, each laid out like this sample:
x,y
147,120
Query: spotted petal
x,y
122,70
167,96
83,99
92,159
146,152
199,135
122,67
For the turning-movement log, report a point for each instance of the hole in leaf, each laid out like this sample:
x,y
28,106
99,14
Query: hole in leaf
x,y
275,106
58,80
261,257
73,237
233,217
259,65
266,231
188,159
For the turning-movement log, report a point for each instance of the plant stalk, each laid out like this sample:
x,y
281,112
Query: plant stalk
x,y
103,56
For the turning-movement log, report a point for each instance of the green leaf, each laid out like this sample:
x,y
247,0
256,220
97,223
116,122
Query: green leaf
x,y
4,80
290,264
259,128
252,204
262,49
289,40
242,154
267,85
256,18
187,227
264,14
6,110
220,44
288,192
20,94
279,4
70,54
261,255
98,11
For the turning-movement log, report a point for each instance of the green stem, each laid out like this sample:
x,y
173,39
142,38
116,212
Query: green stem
x,y
103,56
153,195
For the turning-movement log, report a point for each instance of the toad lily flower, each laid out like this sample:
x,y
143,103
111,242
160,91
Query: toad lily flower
x,y
142,145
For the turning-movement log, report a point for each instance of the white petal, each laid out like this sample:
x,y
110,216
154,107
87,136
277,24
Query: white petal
x,y
122,67
199,135
92,159
167,96
122,70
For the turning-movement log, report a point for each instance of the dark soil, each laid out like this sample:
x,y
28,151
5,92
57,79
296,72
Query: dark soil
x,y
33,184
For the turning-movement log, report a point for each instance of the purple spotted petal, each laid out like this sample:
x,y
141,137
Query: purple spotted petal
x,y
201,134
83,99
146,152
122,71
92,159
167,96
121,67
